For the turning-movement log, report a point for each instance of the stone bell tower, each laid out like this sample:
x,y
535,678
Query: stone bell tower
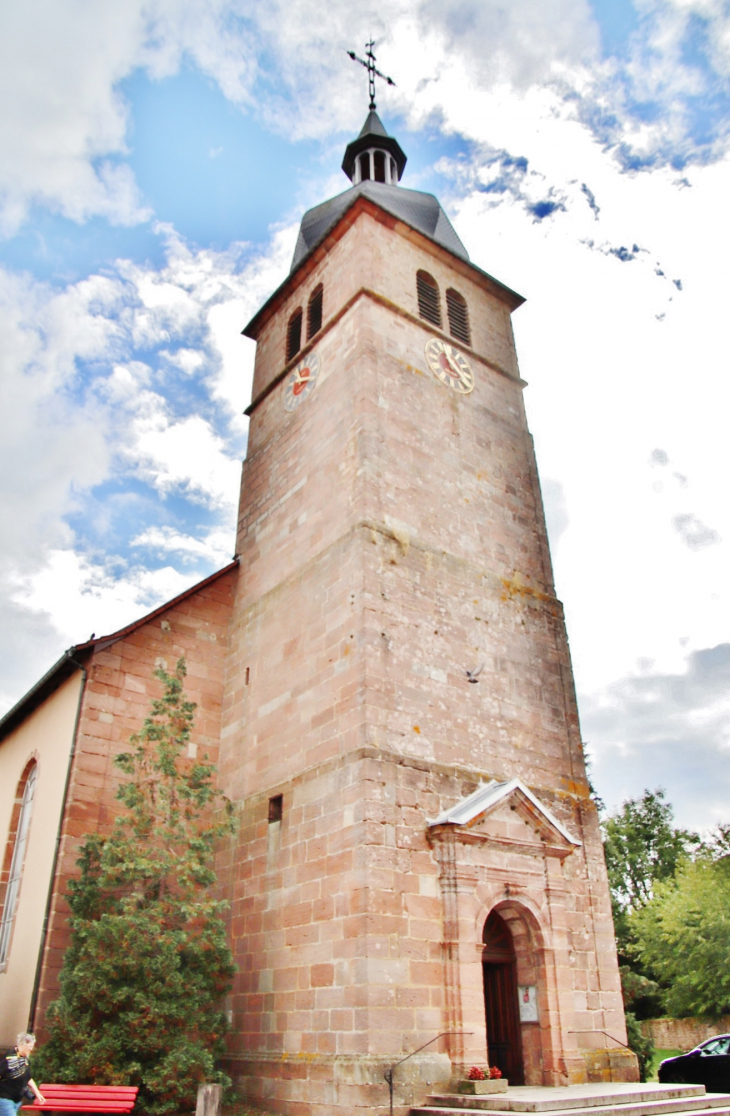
x,y
418,851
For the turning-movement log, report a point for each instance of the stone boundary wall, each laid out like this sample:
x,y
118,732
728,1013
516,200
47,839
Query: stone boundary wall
x,y
684,1034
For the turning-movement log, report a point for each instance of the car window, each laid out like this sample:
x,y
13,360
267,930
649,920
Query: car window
x,y
716,1046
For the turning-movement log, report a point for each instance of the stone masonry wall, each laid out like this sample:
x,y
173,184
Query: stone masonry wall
x,y
392,536
117,698
684,1034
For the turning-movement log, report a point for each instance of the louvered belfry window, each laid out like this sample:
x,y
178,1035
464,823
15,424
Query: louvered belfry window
x,y
458,313
294,334
429,303
314,311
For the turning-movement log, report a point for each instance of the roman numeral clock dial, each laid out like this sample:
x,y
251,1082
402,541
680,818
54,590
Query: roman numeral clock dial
x,y
449,366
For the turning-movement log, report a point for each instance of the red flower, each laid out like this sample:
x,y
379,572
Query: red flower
x,y
475,1074
495,1073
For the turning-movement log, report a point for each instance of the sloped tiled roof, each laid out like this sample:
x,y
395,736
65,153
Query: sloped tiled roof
x,y
421,211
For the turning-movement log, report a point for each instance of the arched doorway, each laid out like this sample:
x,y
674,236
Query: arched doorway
x,y
499,967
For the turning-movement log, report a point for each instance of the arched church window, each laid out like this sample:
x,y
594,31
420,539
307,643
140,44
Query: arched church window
x,y
15,855
379,161
314,311
458,313
365,166
429,303
294,334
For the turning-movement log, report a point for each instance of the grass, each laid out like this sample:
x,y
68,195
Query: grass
x,y
659,1056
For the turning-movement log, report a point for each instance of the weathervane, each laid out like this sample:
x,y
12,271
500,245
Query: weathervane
x,y
371,69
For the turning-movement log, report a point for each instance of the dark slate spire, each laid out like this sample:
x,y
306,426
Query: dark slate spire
x,y
374,155
374,163
373,125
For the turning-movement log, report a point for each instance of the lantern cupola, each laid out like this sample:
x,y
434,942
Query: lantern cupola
x,y
374,155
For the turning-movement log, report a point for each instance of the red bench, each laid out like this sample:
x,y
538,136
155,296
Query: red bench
x,y
85,1098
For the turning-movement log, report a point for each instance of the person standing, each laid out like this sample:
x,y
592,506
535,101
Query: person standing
x,y
15,1076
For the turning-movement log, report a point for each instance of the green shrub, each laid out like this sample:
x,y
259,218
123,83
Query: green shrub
x,y
148,961
641,1044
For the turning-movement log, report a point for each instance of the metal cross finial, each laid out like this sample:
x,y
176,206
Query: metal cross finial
x,y
371,69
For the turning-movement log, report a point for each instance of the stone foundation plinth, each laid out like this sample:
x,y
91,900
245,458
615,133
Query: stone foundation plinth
x,y
614,1064
347,1082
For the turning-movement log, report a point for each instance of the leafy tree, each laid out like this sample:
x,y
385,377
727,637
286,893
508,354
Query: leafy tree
x,y
683,935
148,960
642,847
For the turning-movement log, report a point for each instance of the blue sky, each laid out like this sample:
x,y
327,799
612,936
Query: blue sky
x,y
157,157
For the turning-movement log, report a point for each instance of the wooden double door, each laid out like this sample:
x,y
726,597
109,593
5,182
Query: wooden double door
x,y
499,967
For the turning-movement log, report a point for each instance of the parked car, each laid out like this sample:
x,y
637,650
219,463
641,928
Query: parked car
x,y
708,1064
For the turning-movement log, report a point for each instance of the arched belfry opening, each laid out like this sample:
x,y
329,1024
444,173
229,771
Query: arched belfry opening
x,y
501,1007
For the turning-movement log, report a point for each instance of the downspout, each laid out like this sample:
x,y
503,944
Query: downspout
x,y
57,850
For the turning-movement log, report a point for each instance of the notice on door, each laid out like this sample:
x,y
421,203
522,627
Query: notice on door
x,y
527,995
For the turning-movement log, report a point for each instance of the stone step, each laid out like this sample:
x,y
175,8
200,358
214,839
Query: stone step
x,y
563,1098
438,1110
662,1106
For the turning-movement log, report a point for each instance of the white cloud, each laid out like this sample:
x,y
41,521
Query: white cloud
x,y
52,442
694,533
186,456
652,729
78,410
64,125
81,596
215,547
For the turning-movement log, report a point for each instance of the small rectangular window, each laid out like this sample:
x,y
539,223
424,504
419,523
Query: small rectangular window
x,y
379,161
365,166
276,808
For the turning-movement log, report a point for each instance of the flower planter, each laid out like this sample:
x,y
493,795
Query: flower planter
x,y
479,1088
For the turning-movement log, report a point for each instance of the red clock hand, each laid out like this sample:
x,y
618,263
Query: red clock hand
x,y
449,367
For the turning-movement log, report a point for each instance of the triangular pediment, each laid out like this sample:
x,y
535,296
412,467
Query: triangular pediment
x,y
485,815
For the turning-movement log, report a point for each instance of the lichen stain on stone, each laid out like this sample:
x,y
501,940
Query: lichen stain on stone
x,y
514,587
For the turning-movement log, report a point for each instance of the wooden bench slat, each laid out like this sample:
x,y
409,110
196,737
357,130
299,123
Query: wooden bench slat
x,y
57,1099
78,1106
118,1099
75,1090
110,1099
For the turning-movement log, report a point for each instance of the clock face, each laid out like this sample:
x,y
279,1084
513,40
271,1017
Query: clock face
x,y
449,366
301,381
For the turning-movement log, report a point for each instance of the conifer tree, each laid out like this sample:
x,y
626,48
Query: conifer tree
x,y
148,961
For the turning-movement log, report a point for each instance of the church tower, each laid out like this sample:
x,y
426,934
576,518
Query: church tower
x,y
418,852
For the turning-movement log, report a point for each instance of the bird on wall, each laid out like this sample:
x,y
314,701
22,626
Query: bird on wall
x,y
472,675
